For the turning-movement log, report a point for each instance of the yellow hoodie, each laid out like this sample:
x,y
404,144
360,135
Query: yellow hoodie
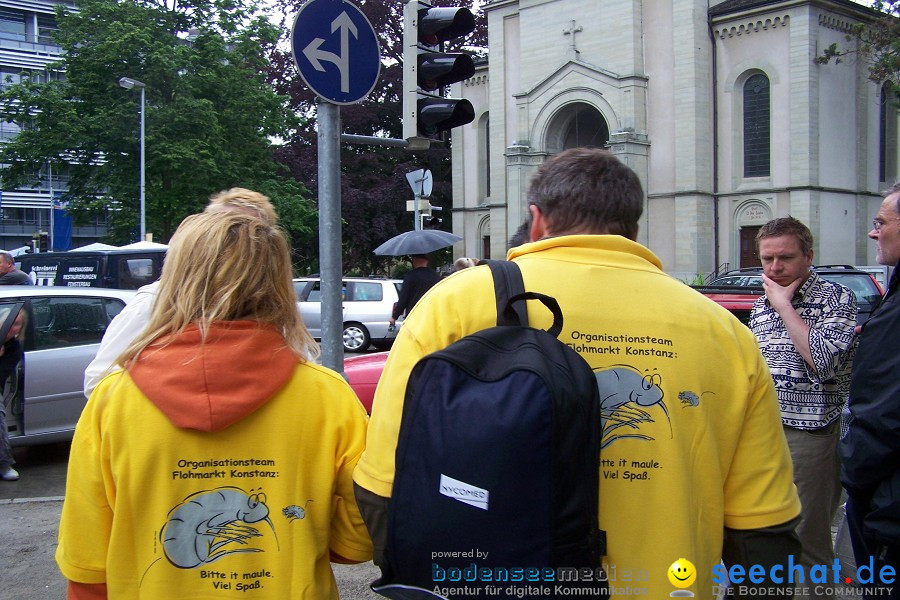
x,y
217,470
692,438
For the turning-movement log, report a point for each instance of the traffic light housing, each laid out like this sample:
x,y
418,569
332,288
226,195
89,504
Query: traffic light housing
x,y
40,241
429,222
427,70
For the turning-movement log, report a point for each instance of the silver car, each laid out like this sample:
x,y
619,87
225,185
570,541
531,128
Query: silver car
x,y
366,306
63,328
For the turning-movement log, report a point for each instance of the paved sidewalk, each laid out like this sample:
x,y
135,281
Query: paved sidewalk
x,y
43,471
28,530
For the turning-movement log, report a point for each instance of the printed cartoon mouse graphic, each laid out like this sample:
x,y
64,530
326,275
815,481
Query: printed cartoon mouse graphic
x,y
625,394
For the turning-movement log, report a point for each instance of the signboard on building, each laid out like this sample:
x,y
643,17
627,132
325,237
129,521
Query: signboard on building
x,y
70,273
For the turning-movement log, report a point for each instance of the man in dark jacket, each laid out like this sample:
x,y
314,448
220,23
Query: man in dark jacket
x,y
9,274
871,449
415,284
11,355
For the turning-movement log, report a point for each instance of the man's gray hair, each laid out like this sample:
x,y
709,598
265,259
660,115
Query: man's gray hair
x,y
6,256
893,190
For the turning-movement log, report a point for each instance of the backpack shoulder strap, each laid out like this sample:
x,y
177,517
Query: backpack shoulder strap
x,y
508,283
509,290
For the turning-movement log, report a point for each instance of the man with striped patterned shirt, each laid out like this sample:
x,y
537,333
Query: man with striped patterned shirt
x,y
804,325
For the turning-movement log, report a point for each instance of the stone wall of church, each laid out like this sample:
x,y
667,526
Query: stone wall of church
x,y
678,64
470,159
668,83
824,141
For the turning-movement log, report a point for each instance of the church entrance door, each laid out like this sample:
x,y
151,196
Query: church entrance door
x,y
749,257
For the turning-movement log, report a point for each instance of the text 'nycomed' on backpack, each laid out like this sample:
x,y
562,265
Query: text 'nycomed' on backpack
x,y
497,463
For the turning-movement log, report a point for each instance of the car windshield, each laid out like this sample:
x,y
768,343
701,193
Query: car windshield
x,y
738,281
861,285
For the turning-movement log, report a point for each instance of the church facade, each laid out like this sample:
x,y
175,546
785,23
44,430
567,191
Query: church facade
x,y
721,110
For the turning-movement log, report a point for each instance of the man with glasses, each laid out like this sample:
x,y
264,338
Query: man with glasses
x,y
870,452
804,325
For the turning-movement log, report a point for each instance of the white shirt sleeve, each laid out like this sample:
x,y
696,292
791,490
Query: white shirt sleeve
x,y
120,333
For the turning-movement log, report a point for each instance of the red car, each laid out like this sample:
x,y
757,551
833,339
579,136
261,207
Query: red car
x,y
363,372
738,301
737,290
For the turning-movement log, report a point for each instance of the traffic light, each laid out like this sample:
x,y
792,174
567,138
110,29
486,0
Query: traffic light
x,y
429,222
39,241
427,69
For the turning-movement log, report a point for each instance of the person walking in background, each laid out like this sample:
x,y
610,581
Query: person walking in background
x,y
126,325
243,451
415,283
804,325
9,274
870,452
11,354
720,483
462,263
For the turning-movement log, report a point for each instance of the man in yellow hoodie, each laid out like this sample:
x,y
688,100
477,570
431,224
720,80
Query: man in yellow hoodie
x,y
694,464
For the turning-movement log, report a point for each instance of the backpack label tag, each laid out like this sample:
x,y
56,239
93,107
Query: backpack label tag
x,y
463,492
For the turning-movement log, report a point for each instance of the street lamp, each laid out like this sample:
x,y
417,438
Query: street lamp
x,y
129,83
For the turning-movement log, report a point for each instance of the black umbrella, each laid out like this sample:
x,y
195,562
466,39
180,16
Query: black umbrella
x,y
422,241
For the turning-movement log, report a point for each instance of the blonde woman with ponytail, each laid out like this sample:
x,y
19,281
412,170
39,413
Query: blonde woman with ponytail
x,y
217,462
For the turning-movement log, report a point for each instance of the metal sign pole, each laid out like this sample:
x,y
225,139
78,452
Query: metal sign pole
x,y
338,56
328,118
51,237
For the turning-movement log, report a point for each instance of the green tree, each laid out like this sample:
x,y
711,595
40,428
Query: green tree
x,y
878,42
210,114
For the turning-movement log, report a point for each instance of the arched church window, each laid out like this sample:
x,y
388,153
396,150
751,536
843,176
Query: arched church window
x,y
585,127
757,121
574,125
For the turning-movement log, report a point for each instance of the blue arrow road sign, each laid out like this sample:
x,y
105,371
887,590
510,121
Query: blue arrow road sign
x,y
336,50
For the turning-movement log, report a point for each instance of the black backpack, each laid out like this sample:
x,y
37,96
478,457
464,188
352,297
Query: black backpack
x,y
496,482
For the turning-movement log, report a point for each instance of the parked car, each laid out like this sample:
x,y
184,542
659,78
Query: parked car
x,y
125,269
735,288
738,300
367,304
363,372
62,332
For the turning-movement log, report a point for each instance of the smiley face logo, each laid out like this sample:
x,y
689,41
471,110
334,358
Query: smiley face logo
x,y
682,573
